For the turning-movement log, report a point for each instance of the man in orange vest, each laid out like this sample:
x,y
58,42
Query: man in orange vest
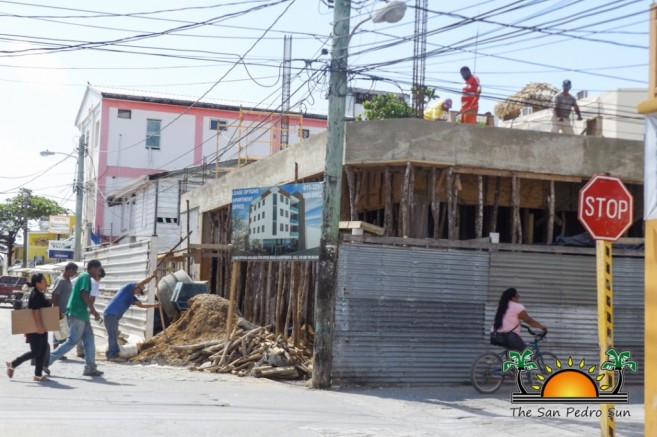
x,y
470,97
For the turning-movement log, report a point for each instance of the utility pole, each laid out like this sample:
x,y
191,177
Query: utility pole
x,y
26,202
79,184
328,252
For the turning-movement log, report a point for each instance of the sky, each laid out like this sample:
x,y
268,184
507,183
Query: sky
x,y
232,51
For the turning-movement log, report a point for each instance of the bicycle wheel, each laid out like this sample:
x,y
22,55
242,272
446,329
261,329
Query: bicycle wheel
x,y
486,373
546,358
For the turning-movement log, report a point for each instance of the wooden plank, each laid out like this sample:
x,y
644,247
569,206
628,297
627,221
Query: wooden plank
x,y
279,298
496,206
481,245
516,231
368,227
210,246
403,204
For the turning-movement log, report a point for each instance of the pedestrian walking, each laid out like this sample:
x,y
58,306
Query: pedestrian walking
x,y
95,291
38,340
60,295
116,308
564,102
470,97
80,306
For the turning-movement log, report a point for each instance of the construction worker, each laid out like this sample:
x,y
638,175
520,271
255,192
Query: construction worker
x,y
563,103
470,97
438,111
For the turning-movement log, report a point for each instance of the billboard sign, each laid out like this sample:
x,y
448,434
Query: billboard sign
x,y
280,222
61,224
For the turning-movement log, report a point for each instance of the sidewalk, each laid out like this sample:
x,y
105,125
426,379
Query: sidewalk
x,y
162,401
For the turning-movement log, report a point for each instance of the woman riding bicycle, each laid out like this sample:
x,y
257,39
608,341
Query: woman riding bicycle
x,y
508,317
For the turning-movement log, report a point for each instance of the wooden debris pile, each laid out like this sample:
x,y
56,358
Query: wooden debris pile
x,y
536,95
198,340
253,352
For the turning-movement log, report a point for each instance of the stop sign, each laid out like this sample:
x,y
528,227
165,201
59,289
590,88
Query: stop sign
x,y
605,208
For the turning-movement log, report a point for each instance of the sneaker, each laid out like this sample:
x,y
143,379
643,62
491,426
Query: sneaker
x,y
46,371
80,355
10,370
92,373
41,378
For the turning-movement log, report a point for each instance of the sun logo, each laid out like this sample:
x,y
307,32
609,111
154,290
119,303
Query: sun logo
x,y
574,383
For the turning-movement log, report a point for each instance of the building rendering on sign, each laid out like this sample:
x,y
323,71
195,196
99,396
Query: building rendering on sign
x,y
276,221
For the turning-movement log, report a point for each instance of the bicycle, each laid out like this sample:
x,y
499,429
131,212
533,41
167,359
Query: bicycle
x,y
486,373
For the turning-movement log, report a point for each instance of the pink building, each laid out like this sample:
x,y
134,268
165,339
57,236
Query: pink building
x,y
135,133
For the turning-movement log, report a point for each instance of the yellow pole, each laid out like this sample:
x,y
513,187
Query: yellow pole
x,y
650,321
605,324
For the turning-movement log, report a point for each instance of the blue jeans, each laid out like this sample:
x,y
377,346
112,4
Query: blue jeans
x,y
111,322
78,329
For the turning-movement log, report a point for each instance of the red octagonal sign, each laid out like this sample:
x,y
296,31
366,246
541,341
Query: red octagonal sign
x,y
605,208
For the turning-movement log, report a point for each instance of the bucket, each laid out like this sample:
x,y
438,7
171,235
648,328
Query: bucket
x,y
128,351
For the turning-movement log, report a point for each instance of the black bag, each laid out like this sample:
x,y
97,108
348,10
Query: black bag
x,y
498,338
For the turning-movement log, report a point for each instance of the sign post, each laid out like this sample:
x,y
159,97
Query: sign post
x,y
605,210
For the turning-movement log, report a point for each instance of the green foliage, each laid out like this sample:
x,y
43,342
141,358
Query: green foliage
x,y
13,213
520,361
386,106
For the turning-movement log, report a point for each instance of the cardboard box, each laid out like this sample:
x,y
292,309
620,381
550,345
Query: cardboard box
x,y
22,321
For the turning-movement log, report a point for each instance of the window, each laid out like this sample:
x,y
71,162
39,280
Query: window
x,y
287,228
282,213
221,123
287,200
305,133
287,214
124,113
153,128
263,214
282,228
281,197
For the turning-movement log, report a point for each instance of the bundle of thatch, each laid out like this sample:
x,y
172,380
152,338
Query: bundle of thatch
x,y
536,95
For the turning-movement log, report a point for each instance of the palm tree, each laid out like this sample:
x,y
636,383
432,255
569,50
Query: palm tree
x,y
617,362
521,361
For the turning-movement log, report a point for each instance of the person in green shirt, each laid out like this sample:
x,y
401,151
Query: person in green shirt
x,y
80,306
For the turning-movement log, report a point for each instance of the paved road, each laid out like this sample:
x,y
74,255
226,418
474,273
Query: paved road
x,y
161,401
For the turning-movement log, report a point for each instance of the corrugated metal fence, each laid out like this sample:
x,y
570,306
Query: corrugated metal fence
x,y
123,264
409,315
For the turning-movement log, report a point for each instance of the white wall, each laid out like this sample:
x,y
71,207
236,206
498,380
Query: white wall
x,y
127,147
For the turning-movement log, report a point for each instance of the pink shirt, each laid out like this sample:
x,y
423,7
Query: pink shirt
x,y
510,321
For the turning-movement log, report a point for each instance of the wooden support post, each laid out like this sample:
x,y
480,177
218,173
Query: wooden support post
x,y
291,300
351,184
550,223
496,206
387,216
359,184
457,210
403,201
435,202
231,300
296,326
279,297
411,213
268,292
248,292
515,226
451,213
479,221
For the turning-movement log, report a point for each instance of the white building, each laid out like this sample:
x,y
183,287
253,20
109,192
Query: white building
x,y
276,221
612,114
135,133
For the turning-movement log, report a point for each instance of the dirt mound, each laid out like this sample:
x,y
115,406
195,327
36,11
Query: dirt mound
x,y
205,320
198,340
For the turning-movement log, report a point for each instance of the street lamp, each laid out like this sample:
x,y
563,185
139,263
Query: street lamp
x,y
77,250
328,252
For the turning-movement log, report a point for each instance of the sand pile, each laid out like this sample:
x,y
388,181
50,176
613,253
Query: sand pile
x,y
198,340
205,320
